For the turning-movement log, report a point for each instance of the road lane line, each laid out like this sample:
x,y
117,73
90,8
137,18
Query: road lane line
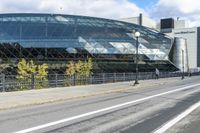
x,y
172,122
102,110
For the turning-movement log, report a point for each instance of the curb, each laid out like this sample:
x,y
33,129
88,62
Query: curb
x,y
40,102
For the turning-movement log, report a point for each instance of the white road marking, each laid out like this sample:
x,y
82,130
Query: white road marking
x,y
172,122
102,110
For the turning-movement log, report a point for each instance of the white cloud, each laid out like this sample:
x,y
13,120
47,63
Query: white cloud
x,y
183,6
185,9
97,8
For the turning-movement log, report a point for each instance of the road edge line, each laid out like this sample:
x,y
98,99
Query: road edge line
x,y
175,120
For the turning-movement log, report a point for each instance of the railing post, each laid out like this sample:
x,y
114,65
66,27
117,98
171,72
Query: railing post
x,y
3,82
74,79
32,81
90,79
114,77
56,78
103,77
124,76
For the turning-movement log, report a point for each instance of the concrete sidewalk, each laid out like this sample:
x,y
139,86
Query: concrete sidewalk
x,y
34,97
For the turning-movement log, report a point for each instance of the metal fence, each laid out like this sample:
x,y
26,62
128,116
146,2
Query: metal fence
x,y
12,83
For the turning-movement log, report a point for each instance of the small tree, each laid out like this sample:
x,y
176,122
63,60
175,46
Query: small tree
x,y
71,70
41,76
79,66
25,71
23,74
89,67
82,69
31,67
21,69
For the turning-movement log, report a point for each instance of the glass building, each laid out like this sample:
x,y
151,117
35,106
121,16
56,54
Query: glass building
x,y
56,39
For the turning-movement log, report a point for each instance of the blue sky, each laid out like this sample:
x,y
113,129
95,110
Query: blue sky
x,y
144,3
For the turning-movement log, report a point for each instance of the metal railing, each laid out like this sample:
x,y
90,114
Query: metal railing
x,y
12,83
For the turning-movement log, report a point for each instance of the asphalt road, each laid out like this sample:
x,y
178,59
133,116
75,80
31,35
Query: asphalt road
x,y
138,111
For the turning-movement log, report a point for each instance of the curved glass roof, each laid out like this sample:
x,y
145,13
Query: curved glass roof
x,y
95,35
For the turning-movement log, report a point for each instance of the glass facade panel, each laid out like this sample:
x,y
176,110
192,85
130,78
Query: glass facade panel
x,y
63,37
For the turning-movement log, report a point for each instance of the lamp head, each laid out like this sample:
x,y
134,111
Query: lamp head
x,y
137,34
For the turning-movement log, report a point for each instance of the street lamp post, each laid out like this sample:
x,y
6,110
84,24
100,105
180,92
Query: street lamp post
x,y
182,64
137,35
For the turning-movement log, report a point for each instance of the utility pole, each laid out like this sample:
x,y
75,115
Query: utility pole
x,y
182,65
